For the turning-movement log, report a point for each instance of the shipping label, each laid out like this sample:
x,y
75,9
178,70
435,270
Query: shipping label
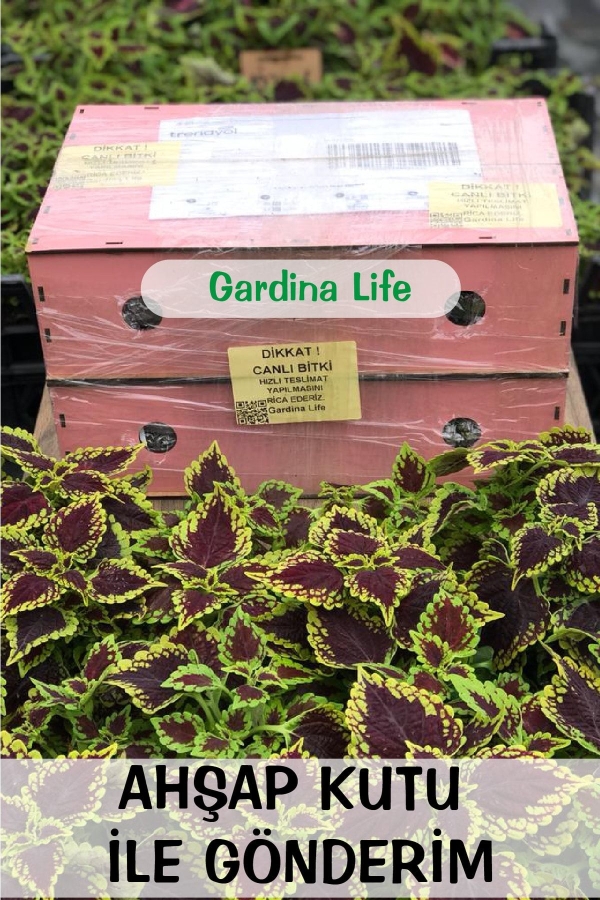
x,y
318,163
142,164
494,205
273,384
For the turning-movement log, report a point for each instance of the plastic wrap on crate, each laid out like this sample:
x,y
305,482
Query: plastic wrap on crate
x,y
99,327
136,185
470,188
178,421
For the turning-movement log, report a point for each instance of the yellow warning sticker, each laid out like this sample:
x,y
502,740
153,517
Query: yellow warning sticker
x,y
280,383
117,165
493,205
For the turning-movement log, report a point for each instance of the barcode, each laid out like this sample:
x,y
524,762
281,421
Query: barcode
x,y
251,412
393,155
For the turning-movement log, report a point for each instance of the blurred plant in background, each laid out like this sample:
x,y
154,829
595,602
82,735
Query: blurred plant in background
x,y
61,53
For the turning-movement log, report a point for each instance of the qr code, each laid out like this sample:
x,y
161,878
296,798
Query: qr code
x,y
70,182
251,412
446,220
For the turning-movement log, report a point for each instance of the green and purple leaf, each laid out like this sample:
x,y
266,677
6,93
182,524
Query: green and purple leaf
x,y
344,519
348,637
209,469
18,439
571,494
118,725
577,456
324,732
27,591
446,632
215,534
582,568
485,699
296,527
286,673
247,695
72,580
178,731
32,462
105,460
236,579
263,520
118,580
114,544
139,480
448,501
584,617
193,603
421,678
287,628
12,541
422,590
308,577
37,866
572,702
201,641
414,558
159,607
192,678
533,718
496,454
212,746
411,474
525,615
77,529
279,494
22,505
383,586
565,434
384,714
80,484
449,462
29,629
101,658
350,548
40,561
130,509
143,677
534,550
243,644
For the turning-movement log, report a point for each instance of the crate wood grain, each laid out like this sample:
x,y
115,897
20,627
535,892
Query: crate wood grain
x,y
479,187
91,434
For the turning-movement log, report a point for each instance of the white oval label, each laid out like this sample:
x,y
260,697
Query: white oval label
x,y
300,288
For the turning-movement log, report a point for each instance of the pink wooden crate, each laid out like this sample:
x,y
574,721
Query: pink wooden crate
x,y
511,136
393,411
90,248
526,326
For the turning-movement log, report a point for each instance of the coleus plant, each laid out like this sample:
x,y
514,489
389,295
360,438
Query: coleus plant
x,y
409,617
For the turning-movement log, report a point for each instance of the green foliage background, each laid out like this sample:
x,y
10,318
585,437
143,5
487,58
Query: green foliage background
x,y
246,624
186,51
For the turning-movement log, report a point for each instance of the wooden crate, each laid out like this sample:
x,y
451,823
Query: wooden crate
x,y
89,326
181,420
105,221
475,184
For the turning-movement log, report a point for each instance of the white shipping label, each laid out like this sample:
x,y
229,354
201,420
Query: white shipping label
x,y
318,163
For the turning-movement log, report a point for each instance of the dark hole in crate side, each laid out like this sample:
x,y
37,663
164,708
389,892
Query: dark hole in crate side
x,y
467,310
137,315
158,437
461,432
